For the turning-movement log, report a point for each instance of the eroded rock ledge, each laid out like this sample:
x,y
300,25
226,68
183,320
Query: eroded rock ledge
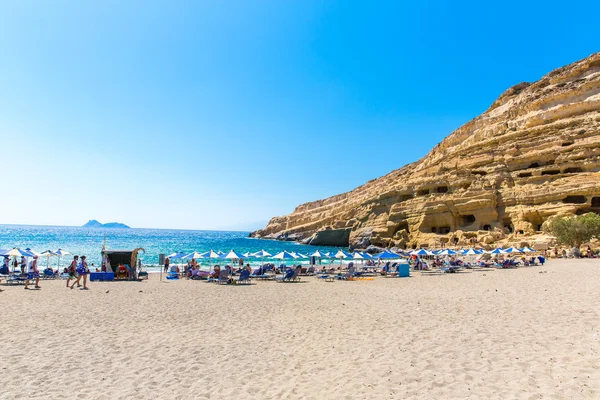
x,y
533,155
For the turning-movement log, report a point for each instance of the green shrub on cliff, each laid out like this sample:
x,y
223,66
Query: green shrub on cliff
x,y
573,231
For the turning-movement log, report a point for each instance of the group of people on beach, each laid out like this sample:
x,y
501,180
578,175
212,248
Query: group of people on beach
x,y
27,268
78,271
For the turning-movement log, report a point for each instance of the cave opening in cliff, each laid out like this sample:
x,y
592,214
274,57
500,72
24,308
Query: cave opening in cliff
x,y
572,170
550,162
467,219
534,165
524,175
433,229
406,197
422,192
551,172
508,225
444,230
566,144
402,226
486,227
481,173
442,189
575,200
595,201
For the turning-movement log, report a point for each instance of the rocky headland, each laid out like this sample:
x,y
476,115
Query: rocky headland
x,y
534,154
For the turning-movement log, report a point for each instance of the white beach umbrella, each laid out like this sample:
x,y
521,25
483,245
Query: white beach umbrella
x,y
341,255
446,252
317,254
496,251
233,255
47,254
262,253
194,255
512,250
527,250
285,255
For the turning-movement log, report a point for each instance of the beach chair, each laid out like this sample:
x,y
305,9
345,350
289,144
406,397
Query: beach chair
x,y
244,277
291,275
350,273
223,278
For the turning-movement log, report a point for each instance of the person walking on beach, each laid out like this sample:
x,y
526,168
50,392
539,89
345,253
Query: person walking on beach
x,y
23,265
82,271
33,273
167,262
72,271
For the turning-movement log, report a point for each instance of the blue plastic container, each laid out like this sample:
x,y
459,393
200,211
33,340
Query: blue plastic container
x,y
403,270
102,276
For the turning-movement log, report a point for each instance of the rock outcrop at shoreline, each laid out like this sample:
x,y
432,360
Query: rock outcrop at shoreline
x,y
534,154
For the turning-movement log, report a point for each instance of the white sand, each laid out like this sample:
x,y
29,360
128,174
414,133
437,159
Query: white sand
x,y
502,334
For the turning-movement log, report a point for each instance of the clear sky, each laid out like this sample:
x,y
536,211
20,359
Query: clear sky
x,y
219,114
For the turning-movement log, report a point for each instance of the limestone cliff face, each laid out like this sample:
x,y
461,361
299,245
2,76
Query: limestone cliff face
x,y
533,154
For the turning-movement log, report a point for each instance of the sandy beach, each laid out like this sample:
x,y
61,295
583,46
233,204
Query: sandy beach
x,y
528,333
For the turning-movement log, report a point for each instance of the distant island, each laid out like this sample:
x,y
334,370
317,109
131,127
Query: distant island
x,y
95,224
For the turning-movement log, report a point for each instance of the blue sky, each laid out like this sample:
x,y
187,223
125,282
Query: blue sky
x,y
208,115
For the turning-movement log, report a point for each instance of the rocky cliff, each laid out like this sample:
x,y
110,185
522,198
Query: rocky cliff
x,y
533,154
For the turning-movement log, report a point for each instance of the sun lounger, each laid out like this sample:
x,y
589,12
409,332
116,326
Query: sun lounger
x,y
223,278
244,277
291,275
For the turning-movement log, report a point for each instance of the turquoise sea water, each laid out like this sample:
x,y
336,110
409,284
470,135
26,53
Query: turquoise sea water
x,y
88,241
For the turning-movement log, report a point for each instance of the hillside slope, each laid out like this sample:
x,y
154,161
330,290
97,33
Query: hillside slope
x,y
533,154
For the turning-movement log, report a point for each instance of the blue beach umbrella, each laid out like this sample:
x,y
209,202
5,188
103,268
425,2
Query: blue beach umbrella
x,y
317,254
447,252
512,250
284,255
262,253
497,251
194,255
421,252
527,250
388,255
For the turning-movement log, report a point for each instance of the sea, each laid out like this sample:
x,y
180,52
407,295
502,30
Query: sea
x,y
89,242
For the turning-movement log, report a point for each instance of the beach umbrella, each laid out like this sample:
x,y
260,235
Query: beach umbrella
x,y
47,254
470,252
512,250
262,253
317,254
527,250
447,252
341,254
357,255
195,254
421,252
387,254
497,251
16,252
233,255
285,255
59,253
